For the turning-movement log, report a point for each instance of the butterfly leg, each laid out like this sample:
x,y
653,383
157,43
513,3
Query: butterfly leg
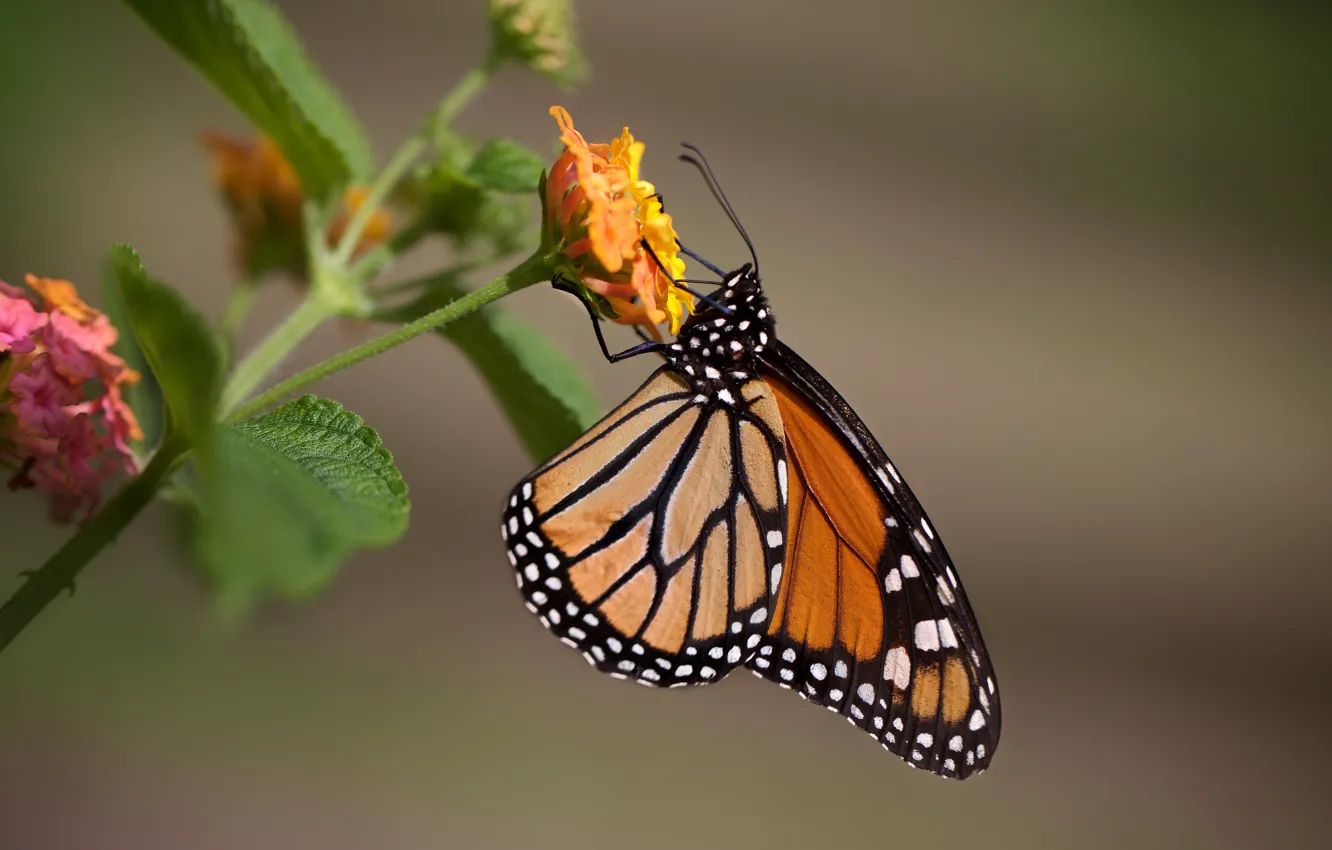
x,y
646,347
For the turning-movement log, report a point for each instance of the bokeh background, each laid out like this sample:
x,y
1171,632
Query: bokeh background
x,y
1069,261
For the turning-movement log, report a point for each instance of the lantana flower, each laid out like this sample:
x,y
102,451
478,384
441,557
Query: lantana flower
x,y
64,424
599,212
263,194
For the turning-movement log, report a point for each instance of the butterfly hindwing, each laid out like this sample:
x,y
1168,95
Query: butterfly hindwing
x,y
870,620
649,544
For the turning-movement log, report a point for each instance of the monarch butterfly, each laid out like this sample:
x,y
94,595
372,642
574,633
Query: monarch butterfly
x,y
736,511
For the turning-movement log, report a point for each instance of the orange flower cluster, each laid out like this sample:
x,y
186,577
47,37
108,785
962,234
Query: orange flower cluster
x,y
264,196
64,425
599,214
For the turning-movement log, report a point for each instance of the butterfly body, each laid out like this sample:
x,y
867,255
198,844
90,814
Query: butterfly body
x,y
736,511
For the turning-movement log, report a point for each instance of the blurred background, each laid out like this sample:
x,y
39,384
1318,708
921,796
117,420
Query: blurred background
x,y
1069,261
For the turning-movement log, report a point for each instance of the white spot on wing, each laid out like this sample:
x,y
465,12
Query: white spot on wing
x,y
909,568
946,636
945,592
922,542
774,539
893,581
897,667
927,635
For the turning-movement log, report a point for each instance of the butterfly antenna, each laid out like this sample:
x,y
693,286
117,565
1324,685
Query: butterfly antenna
x,y
691,255
681,283
706,170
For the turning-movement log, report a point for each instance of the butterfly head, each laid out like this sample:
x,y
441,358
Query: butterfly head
x,y
717,345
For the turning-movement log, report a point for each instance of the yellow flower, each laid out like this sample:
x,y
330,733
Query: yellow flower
x,y
599,213
264,195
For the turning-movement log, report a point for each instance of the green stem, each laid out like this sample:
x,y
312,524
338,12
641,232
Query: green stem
x,y
274,349
533,270
462,94
60,570
379,190
237,309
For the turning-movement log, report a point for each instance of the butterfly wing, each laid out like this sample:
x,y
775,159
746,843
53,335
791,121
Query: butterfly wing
x,y
870,619
650,543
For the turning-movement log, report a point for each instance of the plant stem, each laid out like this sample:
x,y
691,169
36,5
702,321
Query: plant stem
x,y
533,270
60,570
463,92
273,350
379,190
238,307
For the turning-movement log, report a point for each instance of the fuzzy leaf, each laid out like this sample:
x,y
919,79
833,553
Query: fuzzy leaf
x,y
250,53
289,495
506,166
180,350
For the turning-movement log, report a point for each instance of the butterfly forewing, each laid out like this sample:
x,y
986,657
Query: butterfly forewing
x,y
650,543
869,619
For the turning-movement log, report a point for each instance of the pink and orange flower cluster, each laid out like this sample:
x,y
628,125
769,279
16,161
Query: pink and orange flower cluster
x,y
599,213
64,424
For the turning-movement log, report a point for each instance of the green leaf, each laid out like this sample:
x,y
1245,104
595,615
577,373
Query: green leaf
x,y
250,53
540,388
506,166
180,350
144,396
288,495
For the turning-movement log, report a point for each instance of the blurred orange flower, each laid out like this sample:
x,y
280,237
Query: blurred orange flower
x,y
599,212
264,196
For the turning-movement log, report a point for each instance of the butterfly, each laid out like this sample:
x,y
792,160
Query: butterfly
x,y
735,511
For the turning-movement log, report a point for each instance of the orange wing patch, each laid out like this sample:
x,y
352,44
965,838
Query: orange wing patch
x,y
835,539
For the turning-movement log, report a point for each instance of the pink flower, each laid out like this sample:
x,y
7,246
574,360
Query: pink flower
x,y
40,395
64,424
18,320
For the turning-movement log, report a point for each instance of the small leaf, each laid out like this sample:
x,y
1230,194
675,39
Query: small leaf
x,y
181,352
250,53
540,388
143,396
288,495
506,166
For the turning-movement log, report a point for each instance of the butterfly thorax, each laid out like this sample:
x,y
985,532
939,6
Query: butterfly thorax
x,y
717,349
